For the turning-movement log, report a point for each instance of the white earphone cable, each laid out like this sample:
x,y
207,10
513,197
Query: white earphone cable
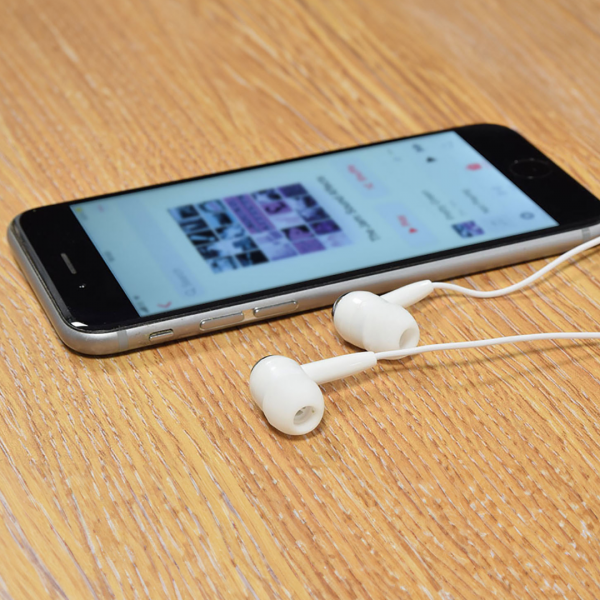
x,y
521,284
513,339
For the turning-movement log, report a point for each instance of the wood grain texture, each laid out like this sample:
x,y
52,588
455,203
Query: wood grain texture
x,y
152,475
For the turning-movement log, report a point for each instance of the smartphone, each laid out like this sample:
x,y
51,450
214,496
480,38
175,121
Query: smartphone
x,y
136,268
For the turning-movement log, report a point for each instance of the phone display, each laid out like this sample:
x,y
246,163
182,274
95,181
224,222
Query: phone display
x,y
120,271
201,241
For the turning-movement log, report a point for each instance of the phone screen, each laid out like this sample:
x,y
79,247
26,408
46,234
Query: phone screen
x,y
227,235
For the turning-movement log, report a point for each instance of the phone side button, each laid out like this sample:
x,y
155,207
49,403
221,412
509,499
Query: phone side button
x,y
160,335
224,321
275,310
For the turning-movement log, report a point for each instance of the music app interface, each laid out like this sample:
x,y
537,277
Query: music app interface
x,y
201,241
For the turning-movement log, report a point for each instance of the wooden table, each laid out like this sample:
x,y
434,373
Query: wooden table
x,y
152,474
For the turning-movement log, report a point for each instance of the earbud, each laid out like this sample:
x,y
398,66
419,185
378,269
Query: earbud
x,y
291,401
380,323
288,393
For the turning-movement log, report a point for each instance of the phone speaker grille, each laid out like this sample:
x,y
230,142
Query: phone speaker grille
x,y
69,264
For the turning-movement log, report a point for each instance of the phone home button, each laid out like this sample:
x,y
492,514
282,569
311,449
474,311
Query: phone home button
x,y
223,321
531,168
275,310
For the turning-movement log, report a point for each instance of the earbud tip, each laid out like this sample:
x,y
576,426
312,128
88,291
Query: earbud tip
x,y
369,322
290,400
294,405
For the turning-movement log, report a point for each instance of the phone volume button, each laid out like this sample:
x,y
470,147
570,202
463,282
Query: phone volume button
x,y
159,335
275,310
223,321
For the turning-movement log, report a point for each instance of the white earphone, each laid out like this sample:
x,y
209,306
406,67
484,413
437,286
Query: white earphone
x,y
288,393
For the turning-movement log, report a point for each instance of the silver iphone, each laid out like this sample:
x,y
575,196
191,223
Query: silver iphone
x,y
140,267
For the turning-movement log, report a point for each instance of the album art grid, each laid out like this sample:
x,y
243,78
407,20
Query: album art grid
x,y
268,225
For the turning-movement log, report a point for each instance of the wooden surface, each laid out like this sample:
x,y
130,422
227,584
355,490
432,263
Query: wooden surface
x,y
152,475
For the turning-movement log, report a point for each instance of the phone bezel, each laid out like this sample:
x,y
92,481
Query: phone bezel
x,y
95,298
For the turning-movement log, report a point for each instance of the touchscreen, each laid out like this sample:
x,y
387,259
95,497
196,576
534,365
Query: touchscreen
x,y
201,241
